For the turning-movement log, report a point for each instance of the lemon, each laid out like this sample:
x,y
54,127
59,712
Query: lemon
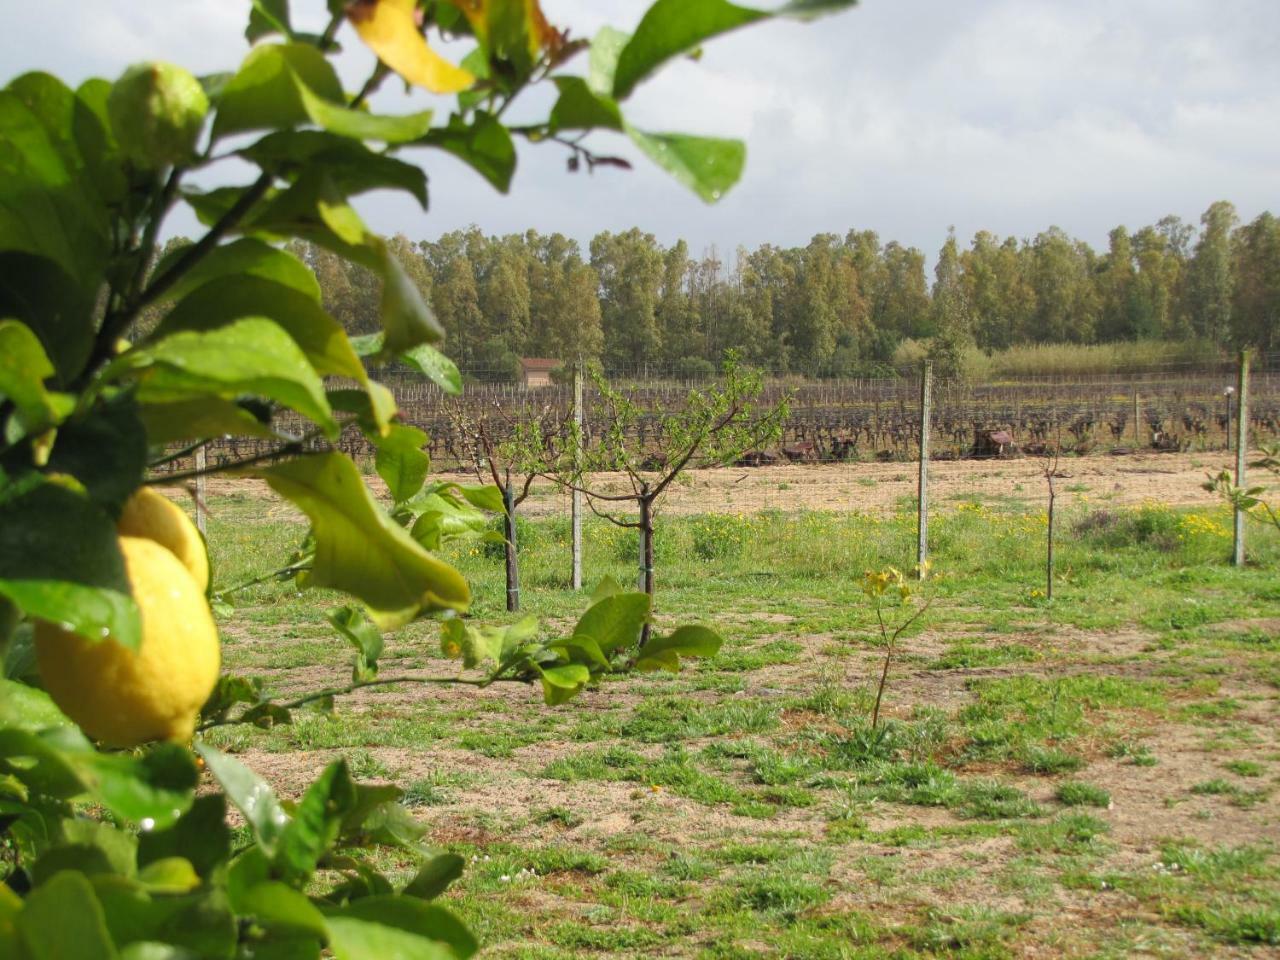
x,y
157,111
125,697
150,515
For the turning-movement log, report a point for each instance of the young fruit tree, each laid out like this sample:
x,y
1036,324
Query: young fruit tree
x,y
108,636
652,445
513,453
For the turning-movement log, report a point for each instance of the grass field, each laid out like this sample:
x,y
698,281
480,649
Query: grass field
x,y
1094,778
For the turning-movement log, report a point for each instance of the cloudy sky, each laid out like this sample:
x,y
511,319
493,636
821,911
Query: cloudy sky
x,y
902,116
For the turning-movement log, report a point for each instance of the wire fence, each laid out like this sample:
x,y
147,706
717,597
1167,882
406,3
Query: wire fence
x,y
856,420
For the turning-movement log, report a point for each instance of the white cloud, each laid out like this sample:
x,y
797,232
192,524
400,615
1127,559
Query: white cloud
x,y
902,116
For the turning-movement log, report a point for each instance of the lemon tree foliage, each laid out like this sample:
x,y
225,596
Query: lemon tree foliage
x,y
114,360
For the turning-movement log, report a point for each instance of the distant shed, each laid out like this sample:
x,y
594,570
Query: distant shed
x,y
536,371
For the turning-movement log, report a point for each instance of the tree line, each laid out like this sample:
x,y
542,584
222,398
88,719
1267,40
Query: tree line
x,y
838,306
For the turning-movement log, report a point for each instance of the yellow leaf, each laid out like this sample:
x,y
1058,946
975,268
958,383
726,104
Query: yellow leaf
x,y
539,34
389,28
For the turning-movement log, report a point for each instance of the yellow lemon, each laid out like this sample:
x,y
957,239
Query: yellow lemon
x,y
150,515
125,697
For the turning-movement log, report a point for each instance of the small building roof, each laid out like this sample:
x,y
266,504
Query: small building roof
x,y
534,364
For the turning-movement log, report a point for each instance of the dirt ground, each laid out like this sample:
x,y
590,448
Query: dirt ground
x,y
1170,478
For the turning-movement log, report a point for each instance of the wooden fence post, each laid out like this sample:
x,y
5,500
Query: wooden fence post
x,y
575,502
201,518
1137,416
1242,448
922,506
513,556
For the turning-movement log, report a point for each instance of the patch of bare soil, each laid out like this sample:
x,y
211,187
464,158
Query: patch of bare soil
x,y
941,877
1170,478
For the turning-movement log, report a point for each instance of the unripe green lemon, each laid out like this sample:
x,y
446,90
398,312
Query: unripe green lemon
x,y
149,515
156,111
125,697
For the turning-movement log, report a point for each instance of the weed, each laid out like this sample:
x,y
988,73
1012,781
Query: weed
x,y
1069,833
1245,768
1234,924
1078,794
1049,760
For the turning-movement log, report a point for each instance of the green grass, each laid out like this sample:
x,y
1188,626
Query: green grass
x,y
1078,794
746,808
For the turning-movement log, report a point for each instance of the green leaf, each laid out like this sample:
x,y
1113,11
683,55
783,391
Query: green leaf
x,y
672,27
24,367
267,17
222,301
153,789
401,462
245,256
358,631
706,165
200,418
434,876
425,359
435,366
580,108
251,794
249,356
26,708
106,450
197,924
316,820
484,145
281,909
369,797
444,515
63,920
391,824
314,208
400,927
49,206
473,645
664,653
359,549
485,497
360,124
154,950
60,561
88,846
374,407
580,649
563,683
169,875
78,126
40,761
407,320
200,835
602,63
38,292
352,166
607,587
614,622
264,93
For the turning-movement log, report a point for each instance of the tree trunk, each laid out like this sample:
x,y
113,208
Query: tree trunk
x,y
1048,592
646,559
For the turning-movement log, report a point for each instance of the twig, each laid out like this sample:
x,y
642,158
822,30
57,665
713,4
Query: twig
x,y
352,688
273,575
286,451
